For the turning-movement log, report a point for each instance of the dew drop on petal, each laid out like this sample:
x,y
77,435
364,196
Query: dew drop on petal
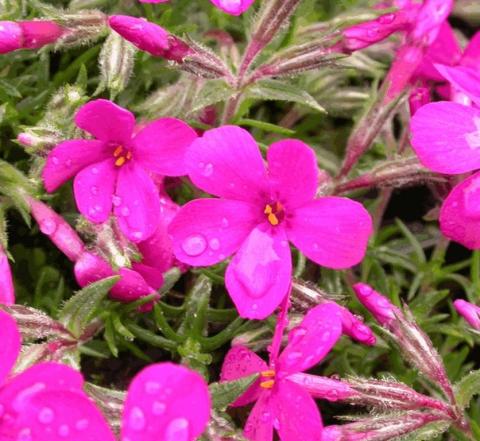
x,y
63,431
136,419
48,226
81,424
95,170
116,200
138,235
177,430
158,408
207,170
296,334
55,160
2,410
225,222
94,189
214,244
152,387
68,162
46,415
125,211
293,357
25,435
194,245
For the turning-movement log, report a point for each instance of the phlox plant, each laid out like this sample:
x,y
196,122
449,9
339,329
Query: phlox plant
x,y
239,220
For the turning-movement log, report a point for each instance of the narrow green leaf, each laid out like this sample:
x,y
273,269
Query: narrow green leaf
x,y
467,387
267,127
214,91
227,392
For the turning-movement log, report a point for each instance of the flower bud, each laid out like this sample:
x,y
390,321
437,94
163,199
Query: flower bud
x,y
469,311
323,387
11,37
380,307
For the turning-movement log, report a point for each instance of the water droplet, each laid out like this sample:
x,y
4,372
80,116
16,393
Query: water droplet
x,y
225,222
326,336
125,211
136,203
316,246
254,307
68,162
214,244
137,235
25,435
194,245
22,397
63,430
81,424
2,410
152,387
296,334
95,170
293,357
136,419
48,226
46,415
158,408
116,200
177,430
276,423
207,170
94,189
55,160
332,395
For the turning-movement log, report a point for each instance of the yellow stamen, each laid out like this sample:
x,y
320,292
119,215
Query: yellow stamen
x,y
268,209
272,219
120,161
267,374
118,151
267,384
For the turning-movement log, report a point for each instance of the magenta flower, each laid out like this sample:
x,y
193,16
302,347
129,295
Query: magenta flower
x,y
7,292
46,402
27,34
116,167
232,7
446,138
282,403
469,311
166,402
259,211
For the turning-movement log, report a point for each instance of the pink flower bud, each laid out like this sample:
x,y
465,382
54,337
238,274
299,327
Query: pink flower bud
x,y
10,36
323,387
355,328
57,229
89,268
7,292
378,305
418,98
38,33
469,311
149,37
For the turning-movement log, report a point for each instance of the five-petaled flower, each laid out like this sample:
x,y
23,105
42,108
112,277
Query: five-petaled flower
x,y
259,211
116,167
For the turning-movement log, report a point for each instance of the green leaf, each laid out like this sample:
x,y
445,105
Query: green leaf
x,y
214,91
280,91
79,309
227,392
467,387
9,89
267,127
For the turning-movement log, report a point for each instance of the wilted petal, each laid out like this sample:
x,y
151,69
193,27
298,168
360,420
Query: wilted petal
x,y
446,137
258,277
207,231
106,121
70,157
166,402
227,162
241,362
161,146
138,209
312,340
331,231
11,343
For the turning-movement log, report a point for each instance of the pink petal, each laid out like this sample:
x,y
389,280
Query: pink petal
x,y
464,79
233,7
166,402
151,275
11,37
11,343
241,362
62,415
296,414
312,340
258,277
378,305
446,137
206,231
106,121
460,215
16,395
161,146
93,189
89,268
331,231
7,291
138,207
323,387
259,426
295,181
38,33
130,287
157,250
69,157
471,55
355,328
227,162
469,311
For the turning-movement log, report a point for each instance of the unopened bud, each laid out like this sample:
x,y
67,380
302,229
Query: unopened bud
x,y
380,307
469,311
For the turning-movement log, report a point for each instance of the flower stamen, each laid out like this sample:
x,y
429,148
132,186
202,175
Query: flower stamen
x,y
275,213
267,377
121,155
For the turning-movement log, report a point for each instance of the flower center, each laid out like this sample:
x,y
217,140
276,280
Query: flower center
x,y
122,155
267,378
274,212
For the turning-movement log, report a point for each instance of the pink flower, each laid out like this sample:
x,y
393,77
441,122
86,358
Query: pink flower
x,y
469,311
258,213
27,34
7,292
281,402
149,37
115,168
446,138
233,7
46,402
166,402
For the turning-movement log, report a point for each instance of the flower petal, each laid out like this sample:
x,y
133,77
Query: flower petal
x,y
259,426
151,275
296,414
157,250
227,162
130,287
471,55
331,231
166,402
233,7
138,209
60,415
295,181
93,190
206,231
464,79
69,157
446,137
161,146
89,268
106,121
312,340
11,343
7,291
241,362
460,214
258,277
